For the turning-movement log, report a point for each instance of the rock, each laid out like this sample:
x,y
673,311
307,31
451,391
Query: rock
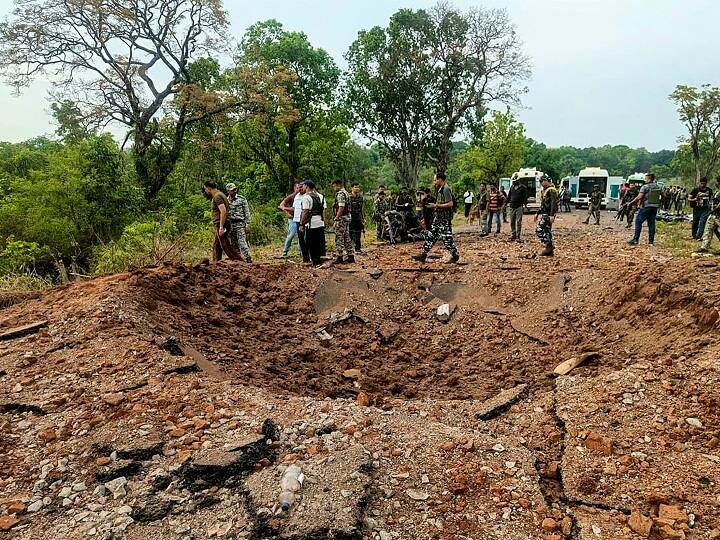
x,y
445,311
639,523
388,331
16,507
552,470
363,399
447,446
102,461
113,399
48,435
34,507
352,373
416,495
216,466
599,443
497,405
8,522
694,422
79,487
549,524
672,512
375,273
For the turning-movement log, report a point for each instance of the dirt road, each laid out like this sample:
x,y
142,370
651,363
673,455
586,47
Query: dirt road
x,y
166,403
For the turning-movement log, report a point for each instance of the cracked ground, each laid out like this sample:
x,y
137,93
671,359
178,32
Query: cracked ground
x,y
167,403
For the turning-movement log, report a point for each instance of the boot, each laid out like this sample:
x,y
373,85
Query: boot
x,y
455,258
420,258
548,251
338,260
351,258
586,222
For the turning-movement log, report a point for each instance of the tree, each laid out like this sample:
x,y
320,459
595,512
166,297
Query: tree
x,y
477,60
122,61
387,89
275,135
699,110
428,76
501,152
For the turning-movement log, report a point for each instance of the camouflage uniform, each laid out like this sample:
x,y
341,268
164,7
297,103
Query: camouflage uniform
x,y
713,222
548,208
482,209
380,206
343,242
239,221
442,225
596,198
357,217
633,192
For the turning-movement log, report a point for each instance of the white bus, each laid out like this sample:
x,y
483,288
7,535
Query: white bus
x,y
588,178
531,179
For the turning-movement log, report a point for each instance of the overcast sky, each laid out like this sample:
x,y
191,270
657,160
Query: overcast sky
x,y
602,69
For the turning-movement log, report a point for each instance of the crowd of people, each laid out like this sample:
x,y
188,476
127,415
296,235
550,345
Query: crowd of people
x,y
432,212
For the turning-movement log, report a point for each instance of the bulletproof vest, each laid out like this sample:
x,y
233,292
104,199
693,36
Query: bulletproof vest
x,y
317,207
653,196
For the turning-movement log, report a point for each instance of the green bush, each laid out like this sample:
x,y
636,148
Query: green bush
x,y
20,257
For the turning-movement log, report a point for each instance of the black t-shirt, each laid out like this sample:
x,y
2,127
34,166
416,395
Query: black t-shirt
x,y
517,196
703,197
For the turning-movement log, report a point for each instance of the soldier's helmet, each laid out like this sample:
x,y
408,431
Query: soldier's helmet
x,y
545,177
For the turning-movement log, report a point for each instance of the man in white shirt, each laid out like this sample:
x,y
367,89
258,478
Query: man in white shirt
x,y
312,222
291,206
469,197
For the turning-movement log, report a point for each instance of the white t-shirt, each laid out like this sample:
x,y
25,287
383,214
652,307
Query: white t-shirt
x,y
469,195
297,207
307,203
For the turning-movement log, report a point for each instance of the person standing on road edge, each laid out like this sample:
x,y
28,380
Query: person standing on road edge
x,y
357,216
442,224
596,198
468,197
219,209
546,215
649,201
239,221
482,200
380,206
494,205
504,196
712,226
700,202
517,200
291,206
312,222
341,212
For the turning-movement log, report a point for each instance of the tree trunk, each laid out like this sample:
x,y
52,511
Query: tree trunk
x,y
407,164
293,161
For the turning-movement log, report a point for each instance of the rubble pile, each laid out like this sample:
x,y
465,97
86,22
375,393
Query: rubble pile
x,y
168,403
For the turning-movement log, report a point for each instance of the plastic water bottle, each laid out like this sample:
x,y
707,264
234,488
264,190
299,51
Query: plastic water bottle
x,y
289,485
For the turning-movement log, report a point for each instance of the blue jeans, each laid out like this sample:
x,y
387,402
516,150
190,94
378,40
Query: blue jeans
x,y
643,215
490,217
292,233
700,217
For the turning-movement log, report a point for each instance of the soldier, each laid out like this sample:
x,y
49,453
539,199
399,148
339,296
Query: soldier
x,y
648,199
630,196
441,227
380,206
546,215
239,222
357,216
482,202
596,198
221,223
341,210
428,215
712,226
700,201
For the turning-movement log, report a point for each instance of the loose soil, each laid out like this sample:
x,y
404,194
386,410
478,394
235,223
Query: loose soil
x,y
149,368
